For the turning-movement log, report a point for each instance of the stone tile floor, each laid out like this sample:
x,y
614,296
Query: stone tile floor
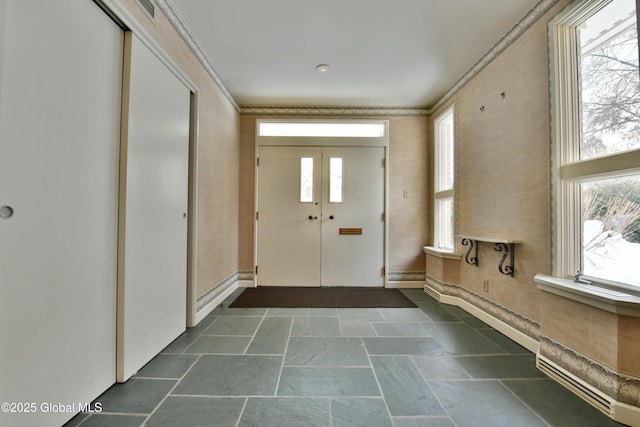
x,y
434,365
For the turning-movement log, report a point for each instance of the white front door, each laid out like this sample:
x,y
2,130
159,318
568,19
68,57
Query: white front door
x,y
353,216
320,216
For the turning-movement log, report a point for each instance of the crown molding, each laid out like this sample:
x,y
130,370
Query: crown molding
x,y
178,22
516,31
333,111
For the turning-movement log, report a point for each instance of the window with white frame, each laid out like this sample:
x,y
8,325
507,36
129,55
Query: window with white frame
x,y
444,179
595,95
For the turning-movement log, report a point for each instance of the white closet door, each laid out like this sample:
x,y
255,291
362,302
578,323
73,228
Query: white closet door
x,y
152,297
60,95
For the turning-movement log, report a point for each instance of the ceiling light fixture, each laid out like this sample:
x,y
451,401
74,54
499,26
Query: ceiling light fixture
x,y
323,68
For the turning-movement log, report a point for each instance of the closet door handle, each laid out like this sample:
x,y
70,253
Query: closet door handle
x,y
6,212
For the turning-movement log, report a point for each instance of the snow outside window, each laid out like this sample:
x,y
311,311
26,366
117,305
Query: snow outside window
x,y
596,143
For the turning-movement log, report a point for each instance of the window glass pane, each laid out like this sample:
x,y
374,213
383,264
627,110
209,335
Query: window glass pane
x,y
306,179
610,83
335,180
355,130
444,220
444,152
611,229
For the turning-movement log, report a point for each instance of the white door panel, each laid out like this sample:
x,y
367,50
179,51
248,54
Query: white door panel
x,y
60,97
153,246
298,242
289,247
353,229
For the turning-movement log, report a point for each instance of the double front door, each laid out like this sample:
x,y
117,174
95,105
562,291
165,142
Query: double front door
x,y
320,218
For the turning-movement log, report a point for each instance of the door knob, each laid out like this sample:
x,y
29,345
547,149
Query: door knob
x,y
313,217
331,217
6,212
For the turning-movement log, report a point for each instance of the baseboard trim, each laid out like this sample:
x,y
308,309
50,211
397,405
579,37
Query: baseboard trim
x,y
614,409
405,284
528,342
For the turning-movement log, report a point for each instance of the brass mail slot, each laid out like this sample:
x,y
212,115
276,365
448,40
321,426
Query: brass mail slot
x,y
352,231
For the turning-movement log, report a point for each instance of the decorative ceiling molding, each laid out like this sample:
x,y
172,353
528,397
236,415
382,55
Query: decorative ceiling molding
x,y
178,22
516,31
334,111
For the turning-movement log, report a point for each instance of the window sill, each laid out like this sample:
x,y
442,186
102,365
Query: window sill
x,y
441,253
602,298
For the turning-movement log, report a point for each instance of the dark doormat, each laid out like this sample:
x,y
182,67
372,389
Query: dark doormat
x,y
336,297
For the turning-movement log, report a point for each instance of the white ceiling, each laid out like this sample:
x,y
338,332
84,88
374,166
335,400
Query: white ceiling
x,y
383,53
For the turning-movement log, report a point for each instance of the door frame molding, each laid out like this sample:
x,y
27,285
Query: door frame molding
x,y
315,141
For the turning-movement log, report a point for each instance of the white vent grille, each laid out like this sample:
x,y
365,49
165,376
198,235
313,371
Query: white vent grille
x,y
432,292
148,6
595,397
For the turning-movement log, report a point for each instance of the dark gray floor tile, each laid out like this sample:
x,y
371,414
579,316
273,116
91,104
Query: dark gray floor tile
x,y
218,345
234,325
323,312
423,422
183,341
416,295
557,405
113,420
360,315
403,315
326,351
496,367
271,337
439,368
357,412
437,313
287,312
168,366
504,342
316,326
197,411
460,338
476,403
401,329
226,375
296,381
357,329
465,316
402,345
286,412
73,422
136,396
239,311
404,390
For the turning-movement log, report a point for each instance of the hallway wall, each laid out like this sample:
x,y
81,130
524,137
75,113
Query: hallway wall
x,y
503,191
409,170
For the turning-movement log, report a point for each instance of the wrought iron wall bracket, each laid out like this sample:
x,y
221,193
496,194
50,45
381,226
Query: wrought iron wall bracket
x,y
509,251
473,247
499,245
